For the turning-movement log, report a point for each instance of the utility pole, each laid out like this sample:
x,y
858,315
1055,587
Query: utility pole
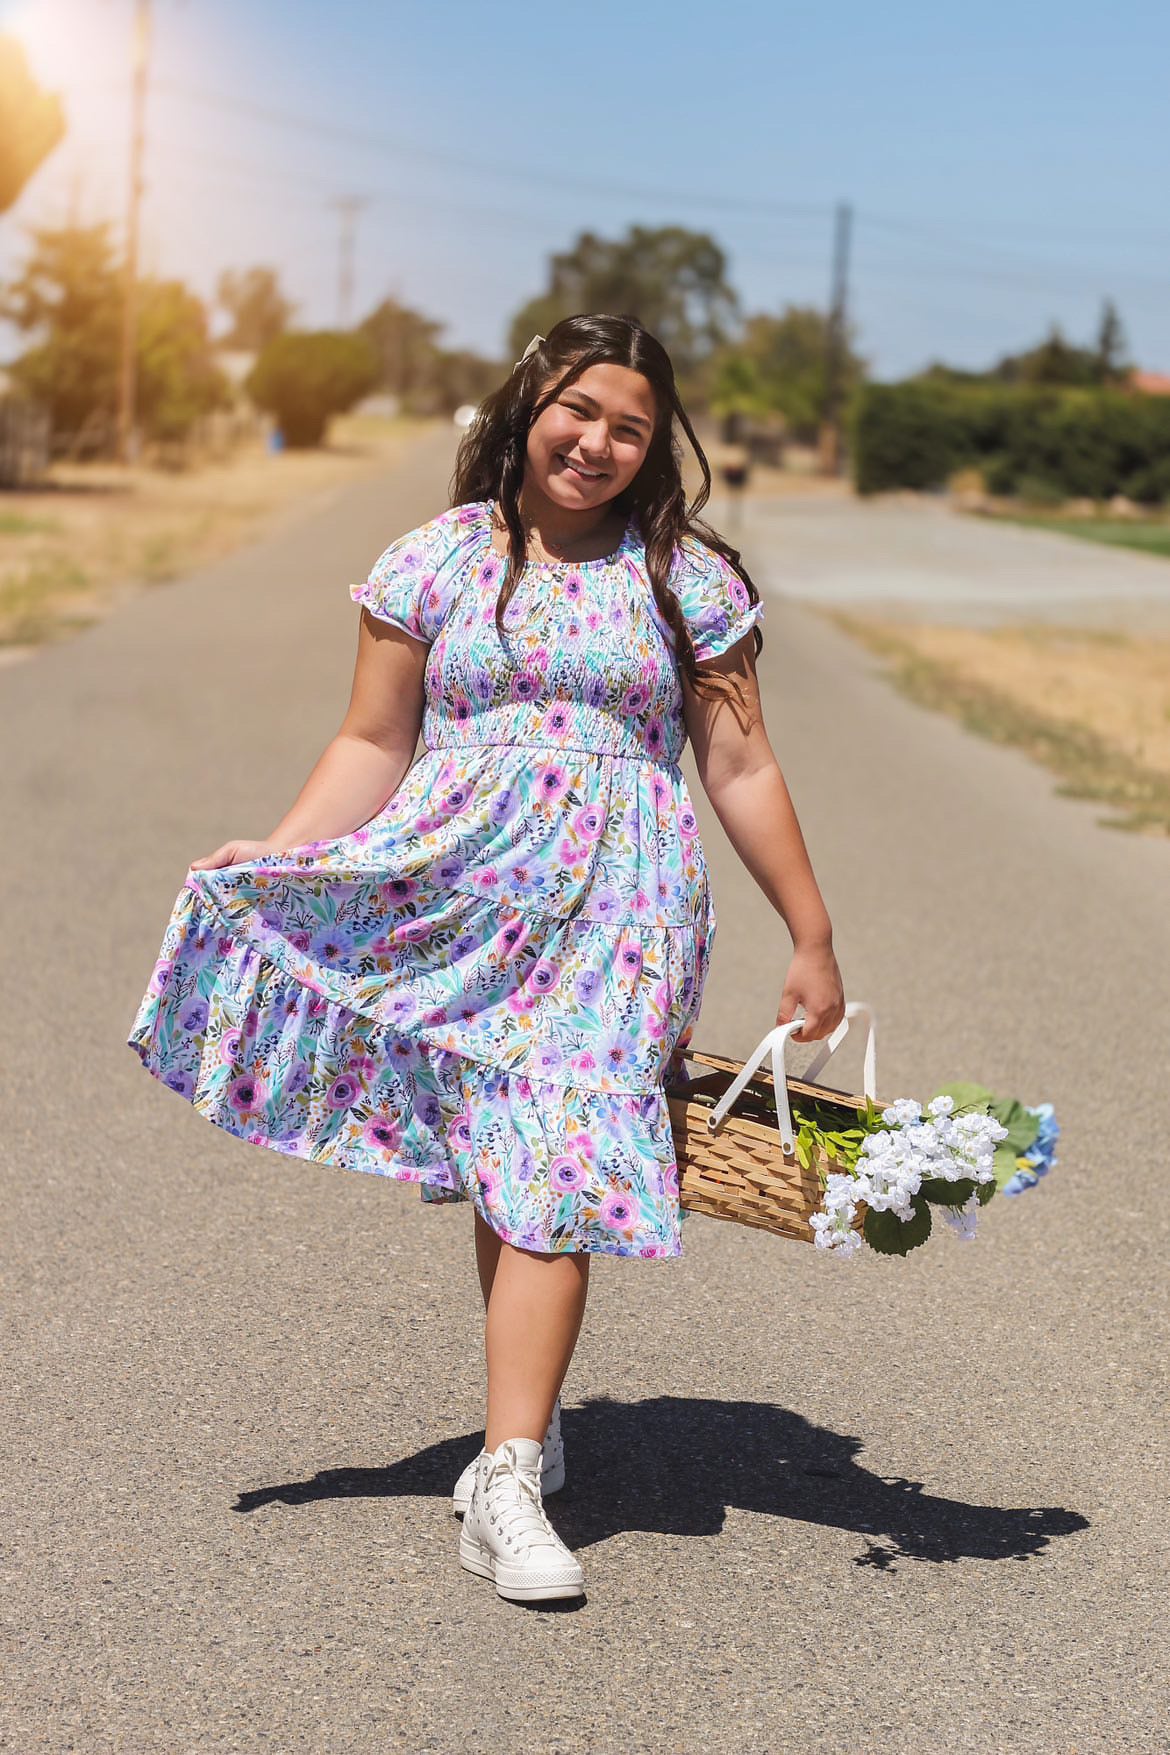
x,y
127,374
349,206
830,435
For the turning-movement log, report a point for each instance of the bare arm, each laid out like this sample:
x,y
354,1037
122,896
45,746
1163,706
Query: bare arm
x,y
748,792
364,764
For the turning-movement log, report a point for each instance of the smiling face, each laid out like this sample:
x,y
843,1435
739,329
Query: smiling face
x,y
592,440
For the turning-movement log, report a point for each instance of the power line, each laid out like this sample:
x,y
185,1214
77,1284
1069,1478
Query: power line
x,y
278,117
929,234
410,148
523,221
294,197
931,238
753,258
526,223
521,173
1038,278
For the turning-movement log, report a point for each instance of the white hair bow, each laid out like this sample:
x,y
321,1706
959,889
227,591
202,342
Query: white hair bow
x,y
531,348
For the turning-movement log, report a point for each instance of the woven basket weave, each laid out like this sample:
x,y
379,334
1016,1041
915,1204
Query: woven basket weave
x,y
743,1172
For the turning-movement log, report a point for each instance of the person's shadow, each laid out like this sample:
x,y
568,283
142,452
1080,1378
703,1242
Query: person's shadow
x,y
673,1465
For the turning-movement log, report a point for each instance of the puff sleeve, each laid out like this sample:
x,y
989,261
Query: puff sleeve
x,y
713,597
411,582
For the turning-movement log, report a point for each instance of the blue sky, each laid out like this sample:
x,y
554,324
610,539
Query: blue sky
x,y
1006,165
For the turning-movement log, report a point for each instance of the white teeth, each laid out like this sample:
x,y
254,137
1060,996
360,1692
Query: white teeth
x,y
585,474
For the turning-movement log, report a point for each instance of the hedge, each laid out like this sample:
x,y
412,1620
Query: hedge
x,y
1064,442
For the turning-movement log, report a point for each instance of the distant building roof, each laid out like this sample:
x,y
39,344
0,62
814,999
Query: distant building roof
x,y
1153,383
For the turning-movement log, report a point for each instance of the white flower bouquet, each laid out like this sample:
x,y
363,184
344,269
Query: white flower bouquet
x,y
850,1171
900,1162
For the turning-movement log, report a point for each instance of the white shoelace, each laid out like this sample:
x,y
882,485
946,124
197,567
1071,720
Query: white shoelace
x,y
523,1518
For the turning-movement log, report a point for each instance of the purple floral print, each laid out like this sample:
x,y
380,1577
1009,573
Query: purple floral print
x,y
483,988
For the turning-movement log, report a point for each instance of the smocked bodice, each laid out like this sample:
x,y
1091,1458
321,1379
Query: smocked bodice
x,y
587,662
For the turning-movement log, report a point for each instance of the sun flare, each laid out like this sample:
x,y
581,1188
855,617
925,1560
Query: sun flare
x,y
71,43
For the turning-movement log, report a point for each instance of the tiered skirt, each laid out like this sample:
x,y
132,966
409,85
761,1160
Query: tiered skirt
x,y
486,1005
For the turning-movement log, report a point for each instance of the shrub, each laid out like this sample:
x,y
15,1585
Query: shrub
x,y
1039,490
305,378
1000,475
178,381
1150,486
1060,442
901,437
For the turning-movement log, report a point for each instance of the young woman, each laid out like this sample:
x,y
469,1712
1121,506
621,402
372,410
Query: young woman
x,y
476,972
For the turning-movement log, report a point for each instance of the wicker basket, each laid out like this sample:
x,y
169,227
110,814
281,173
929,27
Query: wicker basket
x,y
734,1144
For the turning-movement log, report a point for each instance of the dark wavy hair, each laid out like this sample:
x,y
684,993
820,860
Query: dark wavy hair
x,y
491,459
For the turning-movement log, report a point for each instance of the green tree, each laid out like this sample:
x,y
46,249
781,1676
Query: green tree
x,y
460,376
673,280
1112,364
177,379
777,365
735,384
31,122
939,373
304,378
406,344
258,309
1054,361
68,295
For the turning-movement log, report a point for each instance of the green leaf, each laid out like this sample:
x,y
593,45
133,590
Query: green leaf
x,y
1022,1127
890,1235
984,1191
948,1194
1004,1163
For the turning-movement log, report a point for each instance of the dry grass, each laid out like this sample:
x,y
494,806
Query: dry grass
x,y
1092,707
96,533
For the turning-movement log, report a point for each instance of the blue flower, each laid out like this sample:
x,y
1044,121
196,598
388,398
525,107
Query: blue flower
x,y
1040,1156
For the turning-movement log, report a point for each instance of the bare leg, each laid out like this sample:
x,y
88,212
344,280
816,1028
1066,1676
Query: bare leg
x,y
534,1314
488,1244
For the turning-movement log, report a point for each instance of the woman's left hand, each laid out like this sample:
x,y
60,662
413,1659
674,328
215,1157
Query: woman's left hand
x,y
814,982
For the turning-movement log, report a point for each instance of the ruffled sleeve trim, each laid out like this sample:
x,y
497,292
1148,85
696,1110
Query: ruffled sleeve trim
x,y
413,582
714,599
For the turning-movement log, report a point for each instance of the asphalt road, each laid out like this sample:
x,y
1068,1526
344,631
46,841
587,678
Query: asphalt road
x,y
896,1505
912,556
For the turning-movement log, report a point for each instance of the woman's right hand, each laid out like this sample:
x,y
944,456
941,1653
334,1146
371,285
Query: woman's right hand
x,y
233,853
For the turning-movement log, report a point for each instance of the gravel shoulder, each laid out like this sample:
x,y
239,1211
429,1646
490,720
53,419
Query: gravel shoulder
x,y
1026,635
94,535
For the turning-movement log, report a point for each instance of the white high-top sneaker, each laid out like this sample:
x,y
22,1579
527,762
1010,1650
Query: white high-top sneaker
x,y
506,1535
552,1466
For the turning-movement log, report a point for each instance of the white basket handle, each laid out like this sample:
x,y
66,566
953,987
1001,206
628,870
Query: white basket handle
x,y
856,1008
777,1041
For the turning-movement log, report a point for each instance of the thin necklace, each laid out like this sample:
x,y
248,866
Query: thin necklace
x,y
543,554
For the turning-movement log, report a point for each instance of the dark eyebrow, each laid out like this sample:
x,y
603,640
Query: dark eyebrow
x,y
638,419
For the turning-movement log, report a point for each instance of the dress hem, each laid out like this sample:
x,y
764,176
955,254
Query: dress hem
x,y
449,1183
445,1196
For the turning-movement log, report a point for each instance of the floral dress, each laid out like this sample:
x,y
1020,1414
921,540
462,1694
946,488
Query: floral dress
x,y
484,987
